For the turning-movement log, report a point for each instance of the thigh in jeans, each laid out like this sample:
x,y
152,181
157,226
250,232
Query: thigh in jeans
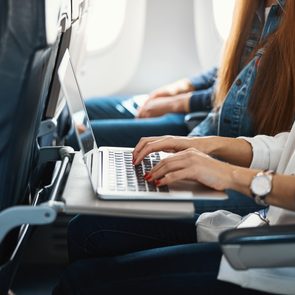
x,y
181,269
127,132
96,236
107,108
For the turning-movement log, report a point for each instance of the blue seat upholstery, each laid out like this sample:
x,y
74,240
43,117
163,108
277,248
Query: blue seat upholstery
x,y
27,66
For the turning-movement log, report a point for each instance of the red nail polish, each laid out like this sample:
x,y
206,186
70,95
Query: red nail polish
x,y
147,176
157,182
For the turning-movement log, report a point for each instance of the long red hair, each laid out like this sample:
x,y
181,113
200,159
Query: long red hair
x,y
272,99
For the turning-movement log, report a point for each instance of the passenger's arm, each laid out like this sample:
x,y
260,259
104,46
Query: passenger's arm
x,y
164,105
192,164
197,101
185,85
183,96
201,100
233,150
178,87
205,80
283,187
267,150
262,152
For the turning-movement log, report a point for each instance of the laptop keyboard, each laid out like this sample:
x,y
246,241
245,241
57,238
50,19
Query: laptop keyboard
x,y
124,176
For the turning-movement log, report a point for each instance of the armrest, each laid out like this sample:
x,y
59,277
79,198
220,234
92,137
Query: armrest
x,y
269,246
193,119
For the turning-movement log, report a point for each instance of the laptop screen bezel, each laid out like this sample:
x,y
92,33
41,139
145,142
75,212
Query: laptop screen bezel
x,y
91,159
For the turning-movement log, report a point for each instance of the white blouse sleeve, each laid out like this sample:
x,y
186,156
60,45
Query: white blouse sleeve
x,y
267,150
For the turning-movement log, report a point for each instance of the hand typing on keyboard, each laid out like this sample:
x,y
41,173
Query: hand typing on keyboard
x,y
124,176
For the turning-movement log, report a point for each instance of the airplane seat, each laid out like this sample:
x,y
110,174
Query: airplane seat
x,y
195,118
74,39
26,63
260,247
77,46
29,45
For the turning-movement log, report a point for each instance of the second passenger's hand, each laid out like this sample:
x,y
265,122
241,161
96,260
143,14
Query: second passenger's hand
x,y
164,105
172,89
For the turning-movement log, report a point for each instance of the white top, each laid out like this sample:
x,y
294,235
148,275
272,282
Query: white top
x,y
276,153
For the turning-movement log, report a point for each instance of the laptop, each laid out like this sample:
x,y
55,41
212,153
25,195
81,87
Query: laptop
x,y
134,103
110,169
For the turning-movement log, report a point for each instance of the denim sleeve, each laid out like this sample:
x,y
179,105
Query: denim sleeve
x,y
204,80
208,126
201,100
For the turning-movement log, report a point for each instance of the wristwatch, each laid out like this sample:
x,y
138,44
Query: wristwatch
x,y
261,186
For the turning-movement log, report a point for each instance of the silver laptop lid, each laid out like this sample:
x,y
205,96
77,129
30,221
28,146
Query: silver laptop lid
x,y
79,115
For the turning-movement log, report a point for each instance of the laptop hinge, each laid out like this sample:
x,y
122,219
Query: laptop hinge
x,y
47,127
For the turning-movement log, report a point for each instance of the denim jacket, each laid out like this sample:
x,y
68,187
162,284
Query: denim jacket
x,y
204,84
233,118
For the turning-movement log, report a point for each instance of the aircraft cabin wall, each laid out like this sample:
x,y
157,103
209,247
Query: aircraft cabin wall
x,y
149,43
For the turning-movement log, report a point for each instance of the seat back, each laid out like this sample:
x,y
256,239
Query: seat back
x,y
30,37
26,64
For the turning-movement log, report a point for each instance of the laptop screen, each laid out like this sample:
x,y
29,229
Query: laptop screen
x,y
76,105
79,117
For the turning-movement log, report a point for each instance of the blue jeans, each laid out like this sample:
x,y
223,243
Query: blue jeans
x,y
113,125
99,236
156,257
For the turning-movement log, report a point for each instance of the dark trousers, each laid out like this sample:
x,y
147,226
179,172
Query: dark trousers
x,y
113,125
143,256
155,257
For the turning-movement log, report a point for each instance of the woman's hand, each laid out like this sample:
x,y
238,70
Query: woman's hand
x,y
233,150
192,164
175,88
171,98
171,144
164,105
167,143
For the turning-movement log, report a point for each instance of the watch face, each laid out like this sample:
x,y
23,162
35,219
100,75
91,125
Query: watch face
x,y
261,185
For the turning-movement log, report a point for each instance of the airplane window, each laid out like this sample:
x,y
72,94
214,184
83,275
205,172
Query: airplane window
x,y
223,11
105,21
